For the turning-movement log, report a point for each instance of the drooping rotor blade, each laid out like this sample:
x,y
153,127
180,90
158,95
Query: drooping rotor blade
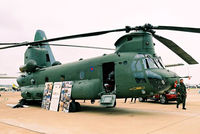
x,y
81,46
175,28
176,49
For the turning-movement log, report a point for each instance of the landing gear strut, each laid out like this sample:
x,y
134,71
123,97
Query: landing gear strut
x,y
74,106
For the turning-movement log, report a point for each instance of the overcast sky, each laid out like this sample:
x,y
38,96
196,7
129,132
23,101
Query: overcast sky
x,y
19,19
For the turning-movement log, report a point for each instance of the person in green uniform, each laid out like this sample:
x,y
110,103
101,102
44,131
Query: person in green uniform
x,y
182,94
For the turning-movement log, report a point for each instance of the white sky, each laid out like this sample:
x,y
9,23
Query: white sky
x,y
19,19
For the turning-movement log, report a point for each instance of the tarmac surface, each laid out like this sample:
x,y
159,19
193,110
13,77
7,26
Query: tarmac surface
x,y
127,118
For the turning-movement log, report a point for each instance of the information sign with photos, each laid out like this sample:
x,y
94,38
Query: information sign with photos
x,y
47,95
65,96
55,98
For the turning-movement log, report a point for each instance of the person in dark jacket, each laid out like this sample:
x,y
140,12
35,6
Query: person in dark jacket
x,y
182,94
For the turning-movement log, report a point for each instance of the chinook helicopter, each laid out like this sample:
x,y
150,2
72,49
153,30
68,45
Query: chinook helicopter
x,y
133,70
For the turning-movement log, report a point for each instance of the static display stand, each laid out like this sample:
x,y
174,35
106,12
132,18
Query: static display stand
x,y
65,96
55,98
47,95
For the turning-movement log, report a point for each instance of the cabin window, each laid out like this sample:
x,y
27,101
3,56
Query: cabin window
x,y
125,62
62,77
46,79
139,66
47,58
82,75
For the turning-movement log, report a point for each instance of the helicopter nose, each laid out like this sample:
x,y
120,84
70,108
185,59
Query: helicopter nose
x,y
159,80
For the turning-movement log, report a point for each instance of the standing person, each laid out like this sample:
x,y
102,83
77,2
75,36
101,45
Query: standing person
x,y
182,94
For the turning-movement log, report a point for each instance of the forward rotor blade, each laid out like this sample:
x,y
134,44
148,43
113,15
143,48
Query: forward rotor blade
x,y
81,46
127,29
176,49
183,29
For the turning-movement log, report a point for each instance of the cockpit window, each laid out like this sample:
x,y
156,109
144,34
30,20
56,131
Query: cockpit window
x,y
139,66
145,63
161,63
158,63
150,63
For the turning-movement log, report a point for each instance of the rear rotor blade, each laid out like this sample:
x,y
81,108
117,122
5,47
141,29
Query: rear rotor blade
x,y
175,28
81,46
176,49
8,44
12,46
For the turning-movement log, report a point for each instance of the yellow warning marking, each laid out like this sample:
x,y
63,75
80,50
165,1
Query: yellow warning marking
x,y
137,88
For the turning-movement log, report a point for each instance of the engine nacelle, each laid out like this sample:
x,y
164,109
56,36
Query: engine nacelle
x,y
29,67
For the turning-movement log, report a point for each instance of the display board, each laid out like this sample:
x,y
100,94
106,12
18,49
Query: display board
x,y
65,96
47,95
55,96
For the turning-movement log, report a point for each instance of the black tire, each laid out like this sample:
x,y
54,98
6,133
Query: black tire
x,y
163,99
92,101
78,106
141,99
72,107
114,104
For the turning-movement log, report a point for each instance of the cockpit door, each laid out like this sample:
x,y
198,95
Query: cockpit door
x,y
138,67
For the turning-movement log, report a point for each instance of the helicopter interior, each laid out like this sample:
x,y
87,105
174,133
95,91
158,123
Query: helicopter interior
x,y
108,77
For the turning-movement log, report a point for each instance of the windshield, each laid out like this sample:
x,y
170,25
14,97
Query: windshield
x,y
161,63
150,63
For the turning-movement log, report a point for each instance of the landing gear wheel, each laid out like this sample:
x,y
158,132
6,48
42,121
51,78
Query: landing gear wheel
x,y
72,107
92,101
163,99
141,99
78,106
114,104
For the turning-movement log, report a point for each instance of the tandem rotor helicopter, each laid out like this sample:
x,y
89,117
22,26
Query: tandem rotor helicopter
x,y
133,70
